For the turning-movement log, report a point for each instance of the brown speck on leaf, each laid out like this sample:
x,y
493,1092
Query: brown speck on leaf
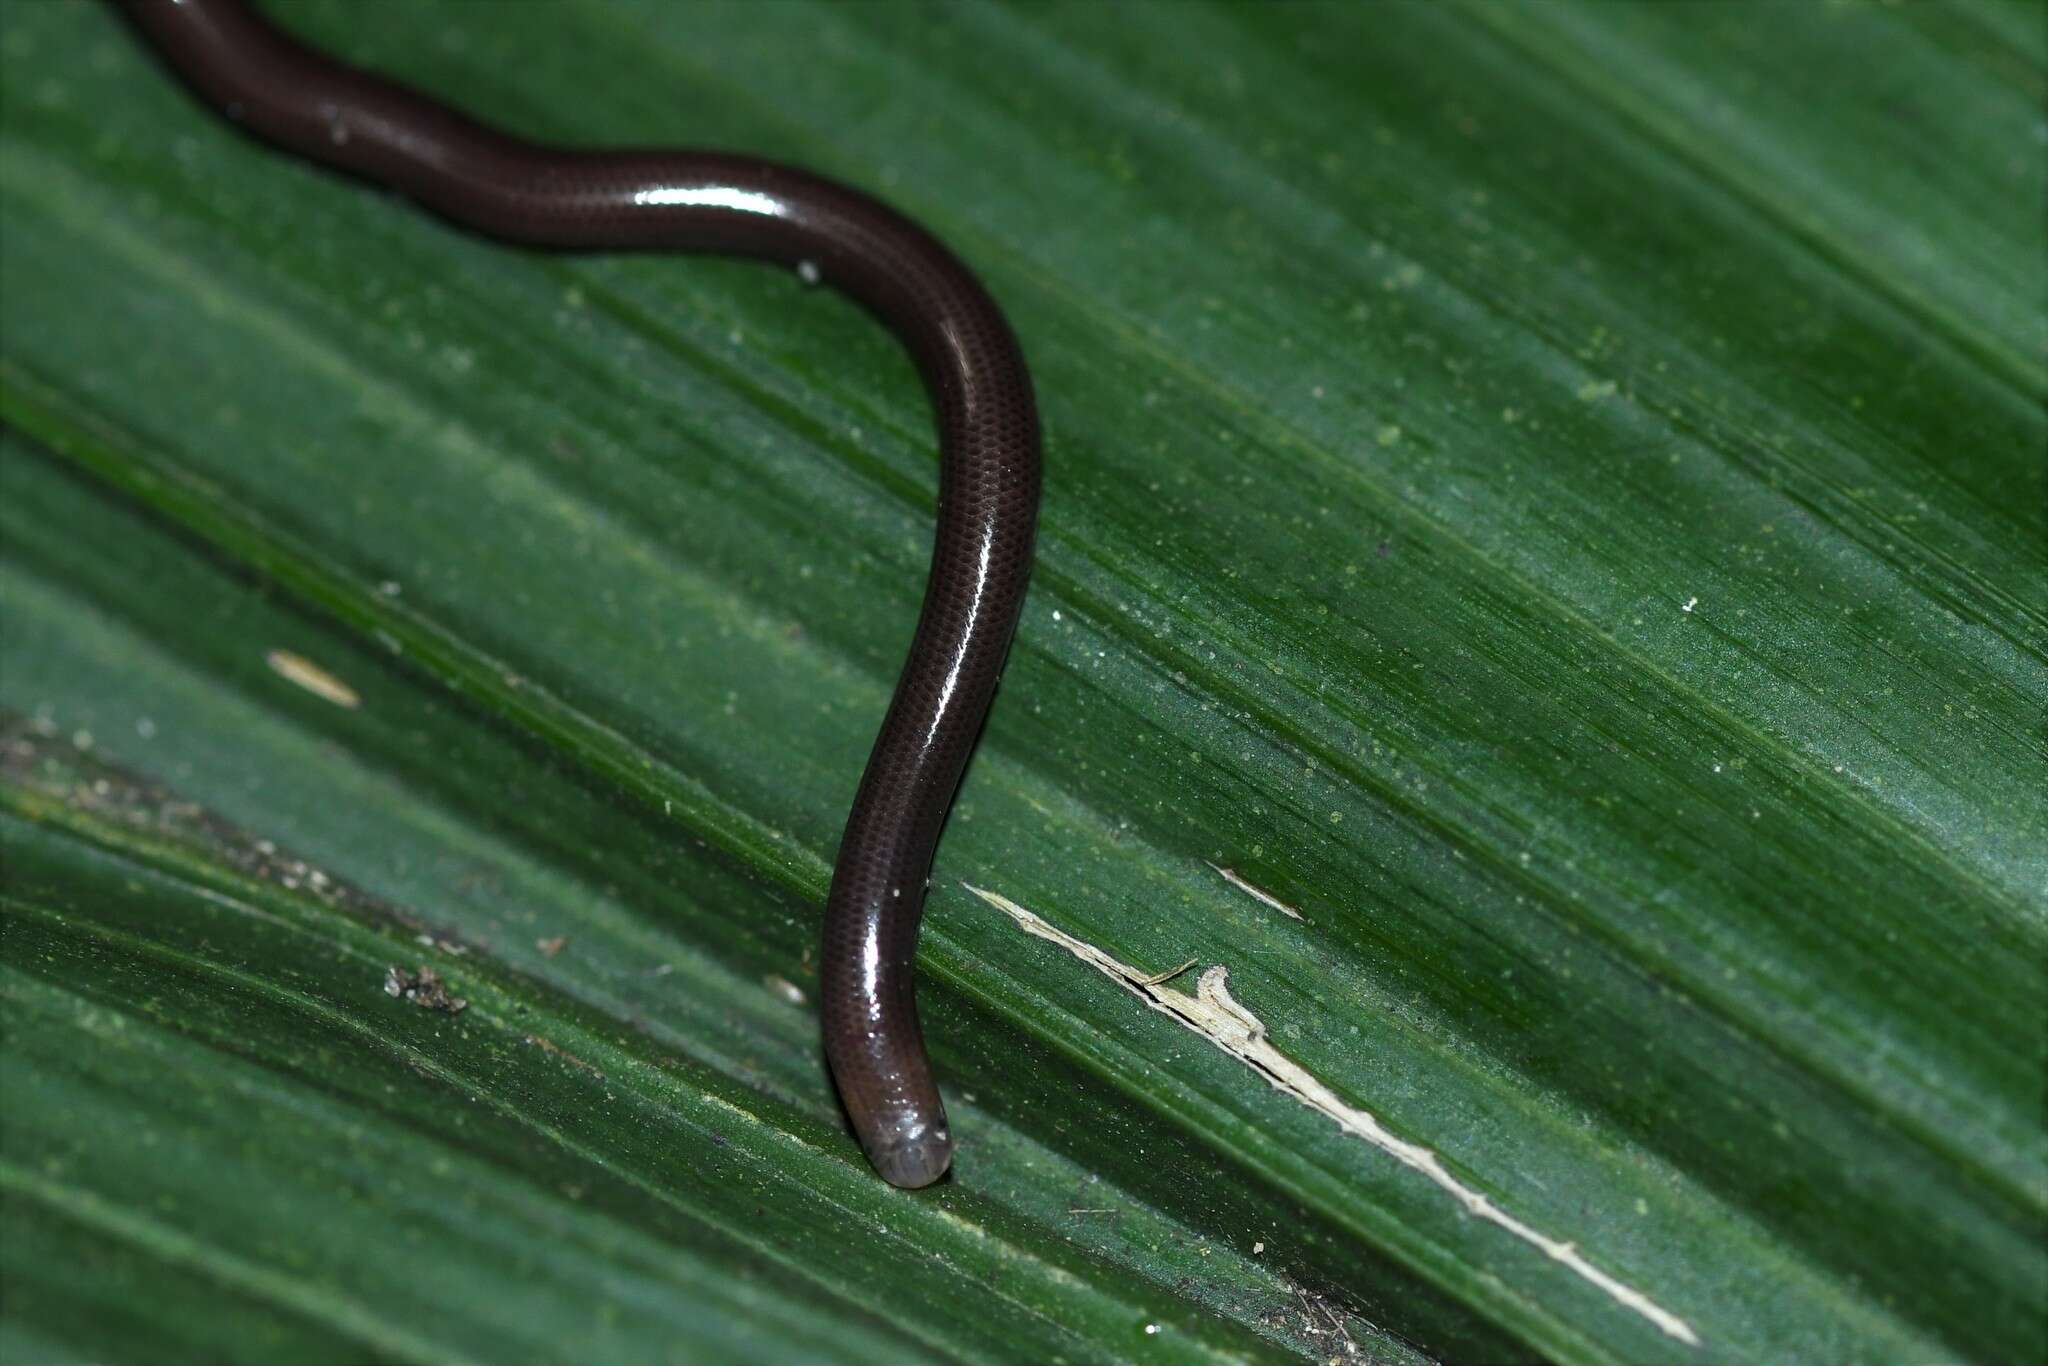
x,y
423,988
550,947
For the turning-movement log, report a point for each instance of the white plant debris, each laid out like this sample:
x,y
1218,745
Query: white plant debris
x,y
1215,1015
314,679
1258,894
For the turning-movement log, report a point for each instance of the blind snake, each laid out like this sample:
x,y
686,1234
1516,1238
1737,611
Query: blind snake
x,y
574,198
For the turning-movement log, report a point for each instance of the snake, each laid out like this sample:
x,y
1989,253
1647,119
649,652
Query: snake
x,y
602,199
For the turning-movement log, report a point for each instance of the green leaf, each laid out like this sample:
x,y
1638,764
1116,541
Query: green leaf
x,y
1549,496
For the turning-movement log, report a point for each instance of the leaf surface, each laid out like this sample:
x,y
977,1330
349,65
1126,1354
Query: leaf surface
x,y
1548,496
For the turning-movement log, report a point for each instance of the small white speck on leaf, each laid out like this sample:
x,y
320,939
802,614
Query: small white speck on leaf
x,y
1257,893
303,672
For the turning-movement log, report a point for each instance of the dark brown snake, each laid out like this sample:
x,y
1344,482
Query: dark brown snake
x,y
572,198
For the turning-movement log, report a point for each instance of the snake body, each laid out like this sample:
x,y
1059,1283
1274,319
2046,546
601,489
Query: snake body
x,y
588,199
